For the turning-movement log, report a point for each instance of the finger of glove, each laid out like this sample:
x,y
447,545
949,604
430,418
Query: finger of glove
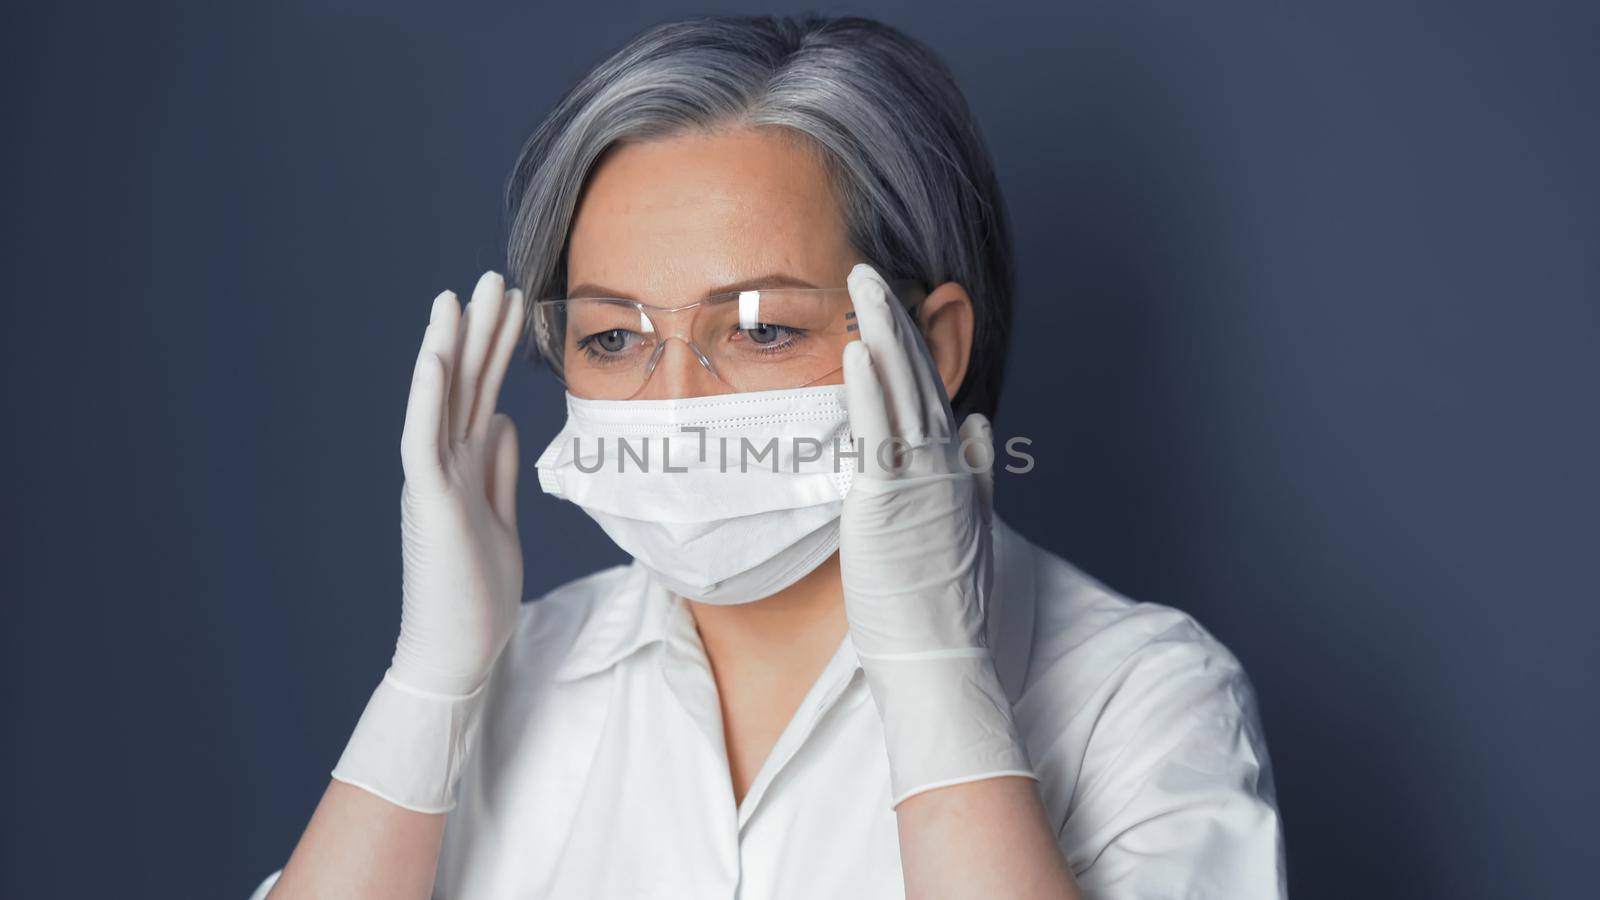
x,y
477,336
502,486
419,438
506,338
441,339
977,447
915,393
869,412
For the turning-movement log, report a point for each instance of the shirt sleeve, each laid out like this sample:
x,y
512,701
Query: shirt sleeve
x,y
1171,787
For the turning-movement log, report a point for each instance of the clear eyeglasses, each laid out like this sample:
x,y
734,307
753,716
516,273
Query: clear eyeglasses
x,y
607,348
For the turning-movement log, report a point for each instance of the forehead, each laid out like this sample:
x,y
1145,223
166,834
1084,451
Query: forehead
x,y
675,216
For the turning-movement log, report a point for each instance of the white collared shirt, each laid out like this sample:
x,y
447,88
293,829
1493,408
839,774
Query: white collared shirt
x,y
602,770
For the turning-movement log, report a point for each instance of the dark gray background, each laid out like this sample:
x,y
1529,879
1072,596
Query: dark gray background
x,y
1306,343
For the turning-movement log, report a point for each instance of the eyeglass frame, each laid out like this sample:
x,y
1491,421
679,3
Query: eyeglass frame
x,y
917,287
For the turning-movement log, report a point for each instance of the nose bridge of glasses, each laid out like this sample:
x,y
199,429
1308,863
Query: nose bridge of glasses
x,y
694,324
674,373
666,324
689,344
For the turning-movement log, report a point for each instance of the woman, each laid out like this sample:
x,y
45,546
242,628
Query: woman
x,y
829,671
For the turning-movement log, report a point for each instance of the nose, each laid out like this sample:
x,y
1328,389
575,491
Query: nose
x,y
679,374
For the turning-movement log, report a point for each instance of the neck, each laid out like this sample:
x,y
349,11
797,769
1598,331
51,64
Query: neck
x,y
765,656
798,627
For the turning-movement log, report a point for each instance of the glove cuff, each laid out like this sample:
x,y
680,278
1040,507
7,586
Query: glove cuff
x,y
410,747
946,721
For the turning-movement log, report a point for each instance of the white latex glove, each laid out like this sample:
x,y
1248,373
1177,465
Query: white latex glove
x,y
462,560
916,558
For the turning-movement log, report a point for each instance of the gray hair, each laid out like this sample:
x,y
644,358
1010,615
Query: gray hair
x,y
909,168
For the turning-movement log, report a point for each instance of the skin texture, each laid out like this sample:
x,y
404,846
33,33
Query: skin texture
x,y
667,222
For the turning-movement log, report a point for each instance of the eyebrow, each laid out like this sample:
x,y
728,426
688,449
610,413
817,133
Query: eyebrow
x,y
770,281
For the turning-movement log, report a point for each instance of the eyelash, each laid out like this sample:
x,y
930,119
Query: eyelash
x,y
788,337
586,346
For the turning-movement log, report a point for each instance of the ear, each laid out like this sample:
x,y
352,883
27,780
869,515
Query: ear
x,y
947,324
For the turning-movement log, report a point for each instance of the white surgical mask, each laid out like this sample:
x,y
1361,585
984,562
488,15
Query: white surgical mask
x,y
729,514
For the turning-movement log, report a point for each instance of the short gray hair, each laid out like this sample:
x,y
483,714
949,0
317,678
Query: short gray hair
x,y
909,168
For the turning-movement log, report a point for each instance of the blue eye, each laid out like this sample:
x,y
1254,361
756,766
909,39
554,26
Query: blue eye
x,y
614,340
770,338
766,334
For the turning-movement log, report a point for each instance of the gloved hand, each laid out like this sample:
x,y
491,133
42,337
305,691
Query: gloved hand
x,y
916,559
462,560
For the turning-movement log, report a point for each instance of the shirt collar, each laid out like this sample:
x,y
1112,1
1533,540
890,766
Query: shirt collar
x,y
624,617
637,612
